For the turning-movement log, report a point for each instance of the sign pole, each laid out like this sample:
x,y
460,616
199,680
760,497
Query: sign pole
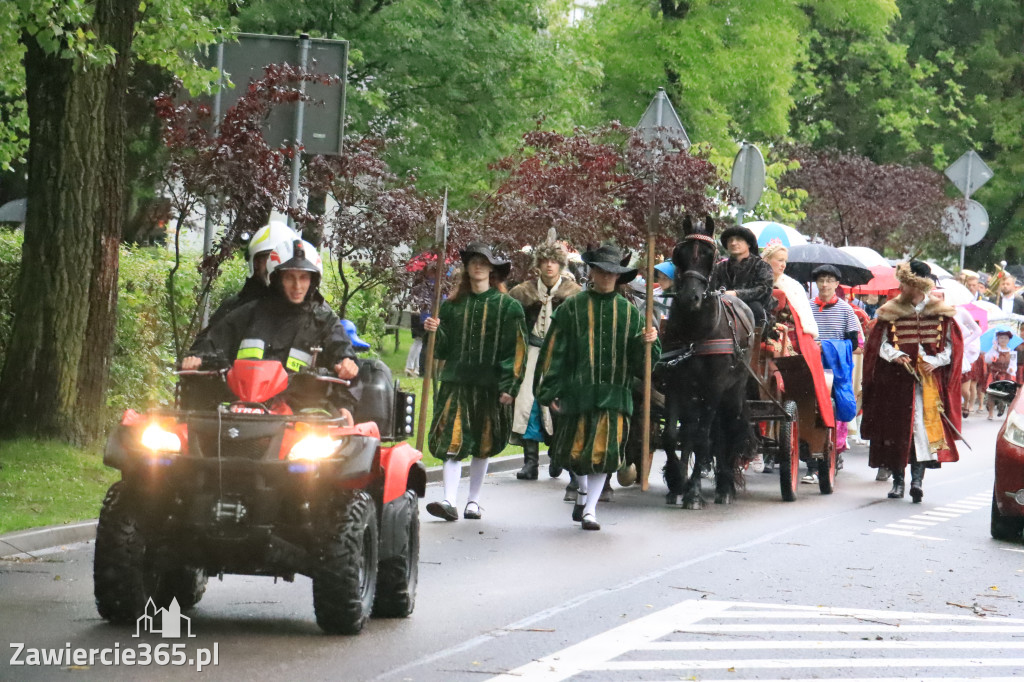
x,y
440,249
659,122
647,454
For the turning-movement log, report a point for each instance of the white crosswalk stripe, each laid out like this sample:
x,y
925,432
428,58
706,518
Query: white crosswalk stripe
x,y
909,526
719,640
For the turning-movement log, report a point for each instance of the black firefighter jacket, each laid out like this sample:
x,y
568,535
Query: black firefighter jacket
x,y
272,328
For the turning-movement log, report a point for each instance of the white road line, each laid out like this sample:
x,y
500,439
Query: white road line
x,y
797,644
596,653
933,522
852,627
959,507
865,679
941,515
830,664
919,517
907,534
900,526
1010,549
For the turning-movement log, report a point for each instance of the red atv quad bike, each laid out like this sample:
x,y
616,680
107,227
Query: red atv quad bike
x,y
276,480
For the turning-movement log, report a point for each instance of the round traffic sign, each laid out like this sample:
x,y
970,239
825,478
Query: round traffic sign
x,y
748,174
965,225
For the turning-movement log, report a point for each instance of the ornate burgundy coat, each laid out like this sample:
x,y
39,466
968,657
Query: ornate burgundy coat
x,y
889,389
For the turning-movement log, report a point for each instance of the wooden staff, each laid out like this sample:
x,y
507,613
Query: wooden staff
x,y
646,455
440,247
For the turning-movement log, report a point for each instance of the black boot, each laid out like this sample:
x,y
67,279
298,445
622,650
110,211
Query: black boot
x,y
897,485
531,458
571,489
916,481
554,471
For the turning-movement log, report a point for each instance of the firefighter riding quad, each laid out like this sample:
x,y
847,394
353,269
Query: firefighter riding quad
x,y
277,478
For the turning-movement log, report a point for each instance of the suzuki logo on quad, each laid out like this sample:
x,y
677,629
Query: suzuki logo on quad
x,y
232,432
245,409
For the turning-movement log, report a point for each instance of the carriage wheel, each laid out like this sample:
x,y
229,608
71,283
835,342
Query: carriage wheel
x,y
788,457
827,465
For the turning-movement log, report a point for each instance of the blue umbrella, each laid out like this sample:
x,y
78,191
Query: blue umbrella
x,y
765,231
989,338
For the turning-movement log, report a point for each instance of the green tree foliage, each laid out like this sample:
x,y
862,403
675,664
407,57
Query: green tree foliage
x,y
981,45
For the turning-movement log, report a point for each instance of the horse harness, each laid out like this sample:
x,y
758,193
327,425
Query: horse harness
x,y
721,346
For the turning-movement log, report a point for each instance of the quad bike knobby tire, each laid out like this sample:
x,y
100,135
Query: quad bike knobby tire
x,y
187,585
345,580
788,457
1005,527
397,575
118,570
122,579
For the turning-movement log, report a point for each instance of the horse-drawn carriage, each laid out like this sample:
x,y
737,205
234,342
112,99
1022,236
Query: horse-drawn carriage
x,y
712,410
794,416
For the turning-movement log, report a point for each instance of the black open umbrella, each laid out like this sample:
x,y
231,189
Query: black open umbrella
x,y
805,257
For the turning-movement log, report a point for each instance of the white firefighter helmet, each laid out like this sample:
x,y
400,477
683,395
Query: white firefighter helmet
x,y
296,254
265,239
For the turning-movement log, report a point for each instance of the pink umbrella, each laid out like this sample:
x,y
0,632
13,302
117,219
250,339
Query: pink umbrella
x,y
979,314
882,282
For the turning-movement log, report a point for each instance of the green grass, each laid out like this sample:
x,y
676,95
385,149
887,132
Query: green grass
x,y
395,360
45,483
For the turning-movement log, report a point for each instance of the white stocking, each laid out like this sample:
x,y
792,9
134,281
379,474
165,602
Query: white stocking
x,y
451,472
595,482
477,471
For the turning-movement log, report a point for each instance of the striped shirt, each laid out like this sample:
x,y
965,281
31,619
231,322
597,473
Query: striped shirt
x,y
835,321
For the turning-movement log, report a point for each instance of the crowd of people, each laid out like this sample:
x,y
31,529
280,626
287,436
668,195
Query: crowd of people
x,y
554,359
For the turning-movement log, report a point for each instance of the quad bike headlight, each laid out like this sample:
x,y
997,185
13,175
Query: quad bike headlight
x,y
1014,432
314,447
160,440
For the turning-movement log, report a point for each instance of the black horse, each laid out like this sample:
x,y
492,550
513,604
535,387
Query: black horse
x,y
707,344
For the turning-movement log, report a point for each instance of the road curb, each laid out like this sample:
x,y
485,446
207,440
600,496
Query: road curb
x,y
23,544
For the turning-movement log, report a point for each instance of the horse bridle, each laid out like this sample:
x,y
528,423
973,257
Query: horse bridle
x,y
693,274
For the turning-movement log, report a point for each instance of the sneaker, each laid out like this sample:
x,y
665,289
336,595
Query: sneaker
x,y
809,478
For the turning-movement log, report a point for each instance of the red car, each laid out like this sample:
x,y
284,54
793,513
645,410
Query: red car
x,y
1008,493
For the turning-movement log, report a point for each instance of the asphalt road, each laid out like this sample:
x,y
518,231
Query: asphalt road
x,y
847,586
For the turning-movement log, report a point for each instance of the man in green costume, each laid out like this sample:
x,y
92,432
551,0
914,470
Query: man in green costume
x,y
594,348
481,351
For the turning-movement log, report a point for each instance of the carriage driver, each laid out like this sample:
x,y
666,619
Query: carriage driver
x,y
285,326
744,274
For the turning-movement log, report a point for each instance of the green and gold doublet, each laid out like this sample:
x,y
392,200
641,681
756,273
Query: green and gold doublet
x,y
481,351
593,350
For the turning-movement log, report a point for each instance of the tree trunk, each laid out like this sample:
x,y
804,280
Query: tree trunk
x,y
55,374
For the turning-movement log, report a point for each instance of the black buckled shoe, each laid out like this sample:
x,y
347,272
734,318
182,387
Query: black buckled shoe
x,y
577,512
472,511
589,522
443,510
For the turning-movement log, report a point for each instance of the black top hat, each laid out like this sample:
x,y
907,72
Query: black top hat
x,y
474,248
826,269
611,258
742,232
